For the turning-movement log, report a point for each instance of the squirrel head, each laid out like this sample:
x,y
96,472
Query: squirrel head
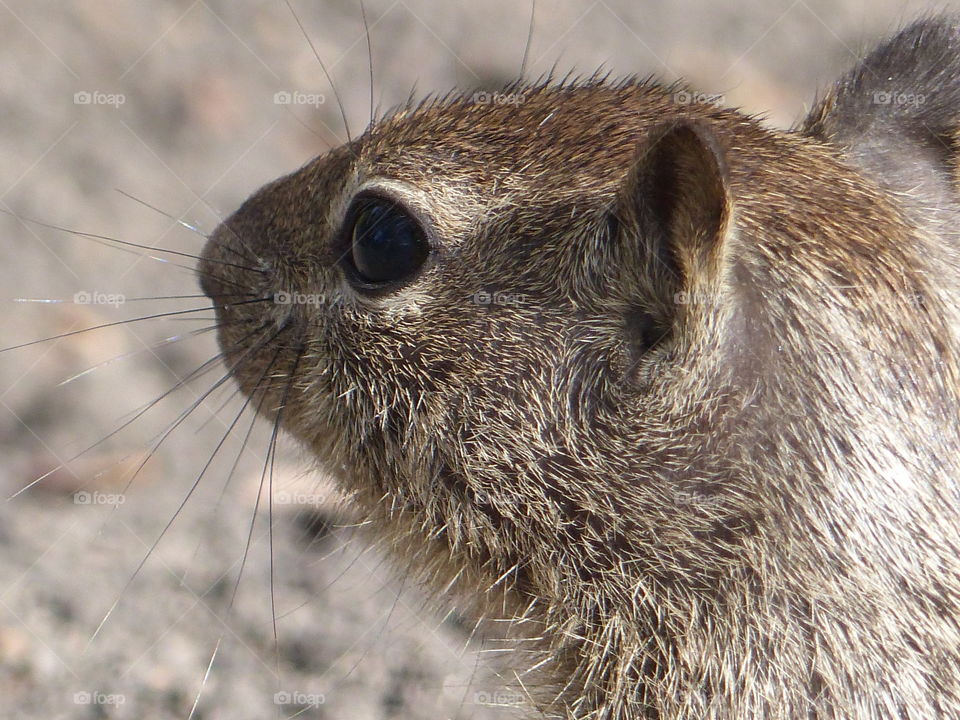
x,y
603,351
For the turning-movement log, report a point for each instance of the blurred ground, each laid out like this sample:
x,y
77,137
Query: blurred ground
x,y
173,102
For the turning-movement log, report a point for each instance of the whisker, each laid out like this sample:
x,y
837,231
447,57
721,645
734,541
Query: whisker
x,y
193,319
251,255
183,416
366,30
316,54
166,214
197,600
248,255
219,279
272,455
125,243
185,297
122,322
526,47
205,366
245,443
45,301
253,519
184,382
69,301
198,401
298,713
206,676
196,372
166,341
220,408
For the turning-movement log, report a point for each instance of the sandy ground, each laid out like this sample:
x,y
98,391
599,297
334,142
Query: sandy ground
x,y
174,103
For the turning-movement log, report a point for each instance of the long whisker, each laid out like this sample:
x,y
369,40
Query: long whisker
x,y
186,380
197,296
192,270
249,256
68,301
206,676
260,327
209,318
118,248
219,279
192,228
273,456
183,416
204,367
366,30
316,54
244,445
220,408
253,519
216,648
196,372
125,243
166,341
122,322
526,47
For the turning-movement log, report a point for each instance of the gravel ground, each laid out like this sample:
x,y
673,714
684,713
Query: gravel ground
x,y
174,103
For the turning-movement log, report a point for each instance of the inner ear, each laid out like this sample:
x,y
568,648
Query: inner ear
x,y
673,216
681,196
675,208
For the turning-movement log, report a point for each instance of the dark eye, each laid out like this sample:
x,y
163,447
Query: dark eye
x,y
386,244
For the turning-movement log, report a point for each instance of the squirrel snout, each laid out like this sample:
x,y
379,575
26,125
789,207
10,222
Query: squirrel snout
x,y
211,285
218,267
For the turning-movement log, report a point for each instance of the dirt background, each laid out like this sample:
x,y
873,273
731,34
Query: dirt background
x,y
182,115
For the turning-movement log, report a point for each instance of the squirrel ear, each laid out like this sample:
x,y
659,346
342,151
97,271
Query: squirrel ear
x,y
673,215
896,115
680,199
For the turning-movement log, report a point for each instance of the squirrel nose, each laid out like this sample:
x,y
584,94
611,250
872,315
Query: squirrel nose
x,y
212,266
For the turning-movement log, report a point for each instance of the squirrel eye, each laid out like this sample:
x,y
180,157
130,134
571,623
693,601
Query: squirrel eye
x,y
386,244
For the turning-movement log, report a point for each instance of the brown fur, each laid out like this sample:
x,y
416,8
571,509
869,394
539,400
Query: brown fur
x,y
706,461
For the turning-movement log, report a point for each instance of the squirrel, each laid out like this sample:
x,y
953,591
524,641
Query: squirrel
x,y
673,392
